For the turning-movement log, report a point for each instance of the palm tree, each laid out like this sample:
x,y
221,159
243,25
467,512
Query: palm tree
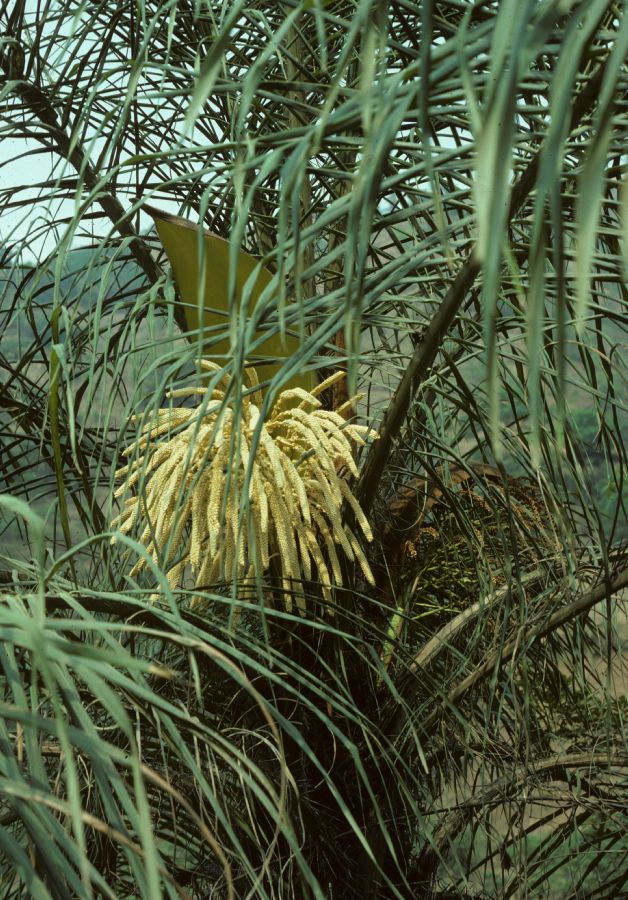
x,y
435,191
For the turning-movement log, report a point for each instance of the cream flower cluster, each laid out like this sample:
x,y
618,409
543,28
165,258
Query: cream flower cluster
x,y
191,467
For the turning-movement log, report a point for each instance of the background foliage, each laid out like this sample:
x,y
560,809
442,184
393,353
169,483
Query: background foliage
x,y
438,186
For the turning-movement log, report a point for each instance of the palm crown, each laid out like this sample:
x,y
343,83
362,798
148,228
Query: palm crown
x,y
435,192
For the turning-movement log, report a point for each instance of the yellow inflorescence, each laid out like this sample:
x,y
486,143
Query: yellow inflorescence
x,y
191,466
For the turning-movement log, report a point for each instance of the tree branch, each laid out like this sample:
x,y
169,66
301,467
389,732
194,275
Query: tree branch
x,y
506,654
553,768
443,638
39,104
158,618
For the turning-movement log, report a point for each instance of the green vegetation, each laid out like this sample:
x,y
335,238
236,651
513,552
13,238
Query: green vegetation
x,y
434,190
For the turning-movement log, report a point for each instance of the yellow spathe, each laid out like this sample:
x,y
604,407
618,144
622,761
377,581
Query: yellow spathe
x,y
180,239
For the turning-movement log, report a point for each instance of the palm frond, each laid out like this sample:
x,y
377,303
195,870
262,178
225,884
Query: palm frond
x,y
436,192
